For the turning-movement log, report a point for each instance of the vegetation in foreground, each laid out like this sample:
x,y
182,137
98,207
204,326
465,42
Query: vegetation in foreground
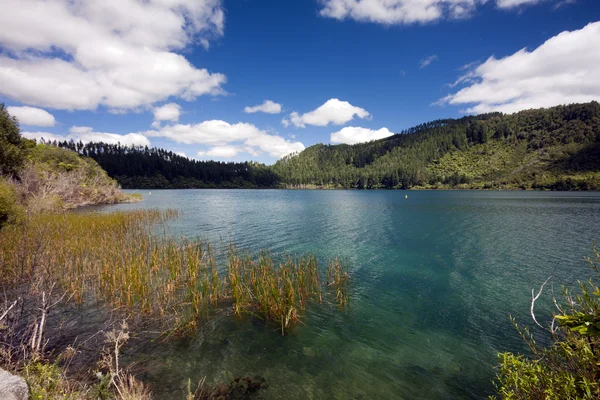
x,y
569,368
125,262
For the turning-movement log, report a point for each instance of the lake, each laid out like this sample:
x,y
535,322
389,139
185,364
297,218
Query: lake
x,y
434,279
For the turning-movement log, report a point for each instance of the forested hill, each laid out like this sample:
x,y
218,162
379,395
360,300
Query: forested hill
x,y
554,148
143,167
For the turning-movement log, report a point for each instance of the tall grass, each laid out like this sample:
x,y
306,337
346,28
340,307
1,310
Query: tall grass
x,y
125,261
273,292
337,278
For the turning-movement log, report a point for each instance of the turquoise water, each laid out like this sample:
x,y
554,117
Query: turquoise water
x,y
434,278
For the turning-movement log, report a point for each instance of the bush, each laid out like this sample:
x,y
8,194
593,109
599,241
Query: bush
x,y
12,155
570,367
10,211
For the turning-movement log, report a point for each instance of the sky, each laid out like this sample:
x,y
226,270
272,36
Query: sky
x,y
240,80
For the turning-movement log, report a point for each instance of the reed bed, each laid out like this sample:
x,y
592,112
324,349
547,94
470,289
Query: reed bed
x,y
337,278
273,292
127,261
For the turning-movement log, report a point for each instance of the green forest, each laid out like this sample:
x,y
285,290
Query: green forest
x,y
553,149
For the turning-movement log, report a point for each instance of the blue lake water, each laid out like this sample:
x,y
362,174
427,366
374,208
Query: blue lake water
x,y
434,278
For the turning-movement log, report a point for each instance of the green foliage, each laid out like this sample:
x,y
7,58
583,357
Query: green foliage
x,y
555,148
12,155
10,211
48,382
570,367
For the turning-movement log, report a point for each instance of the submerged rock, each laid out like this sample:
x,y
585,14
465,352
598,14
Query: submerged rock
x,y
12,387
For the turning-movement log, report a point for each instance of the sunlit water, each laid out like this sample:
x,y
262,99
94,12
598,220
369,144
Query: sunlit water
x,y
434,278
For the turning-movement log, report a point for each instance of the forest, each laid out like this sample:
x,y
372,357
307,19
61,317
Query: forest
x,y
556,149
152,168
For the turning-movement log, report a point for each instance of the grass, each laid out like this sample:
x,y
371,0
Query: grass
x,y
338,278
273,292
126,261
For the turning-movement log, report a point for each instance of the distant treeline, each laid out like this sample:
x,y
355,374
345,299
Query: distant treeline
x,y
144,167
556,148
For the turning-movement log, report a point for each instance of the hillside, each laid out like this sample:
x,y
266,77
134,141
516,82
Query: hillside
x,y
556,148
42,178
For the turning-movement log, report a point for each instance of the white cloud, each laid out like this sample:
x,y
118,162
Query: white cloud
x,y
563,70
227,140
275,146
87,134
391,12
167,112
269,107
32,116
220,152
515,3
400,12
333,111
427,61
77,55
353,135
208,132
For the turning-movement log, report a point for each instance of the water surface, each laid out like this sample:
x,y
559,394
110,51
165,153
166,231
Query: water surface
x,y
434,278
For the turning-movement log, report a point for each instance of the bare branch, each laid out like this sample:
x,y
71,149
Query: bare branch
x,y
9,308
534,297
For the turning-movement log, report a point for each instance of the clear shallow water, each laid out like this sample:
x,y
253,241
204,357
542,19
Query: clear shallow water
x,y
434,278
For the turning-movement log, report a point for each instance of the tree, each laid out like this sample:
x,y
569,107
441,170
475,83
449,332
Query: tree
x,y
11,144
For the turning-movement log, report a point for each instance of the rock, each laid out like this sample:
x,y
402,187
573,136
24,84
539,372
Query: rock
x,y
12,387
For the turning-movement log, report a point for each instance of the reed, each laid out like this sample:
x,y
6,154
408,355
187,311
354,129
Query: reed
x,y
127,261
337,278
273,291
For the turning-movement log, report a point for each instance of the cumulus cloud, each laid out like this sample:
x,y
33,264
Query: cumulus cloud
x,y
220,152
353,135
334,112
400,12
32,116
427,61
86,134
167,112
269,107
77,55
562,70
227,140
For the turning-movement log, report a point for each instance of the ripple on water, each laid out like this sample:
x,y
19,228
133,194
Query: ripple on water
x,y
434,277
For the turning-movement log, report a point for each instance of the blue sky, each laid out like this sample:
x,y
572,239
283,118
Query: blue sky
x,y
179,74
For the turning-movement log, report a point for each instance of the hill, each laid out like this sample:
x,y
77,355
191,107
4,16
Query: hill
x,y
42,178
555,148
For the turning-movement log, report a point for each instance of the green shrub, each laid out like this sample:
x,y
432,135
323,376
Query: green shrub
x,y
12,155
10,211
570,367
